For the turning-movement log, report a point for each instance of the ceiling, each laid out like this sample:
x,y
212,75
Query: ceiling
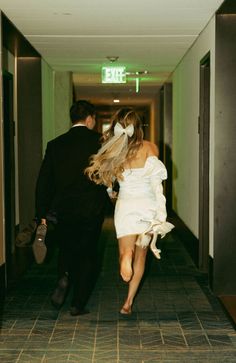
x,y
78,35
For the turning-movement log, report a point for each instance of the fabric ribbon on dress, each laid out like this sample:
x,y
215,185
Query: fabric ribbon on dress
x,y
149,236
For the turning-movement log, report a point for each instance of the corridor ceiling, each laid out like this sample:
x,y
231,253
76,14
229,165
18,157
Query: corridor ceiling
x,y
78,35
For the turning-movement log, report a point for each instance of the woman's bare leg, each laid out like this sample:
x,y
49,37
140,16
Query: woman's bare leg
x,y
138,270
126,250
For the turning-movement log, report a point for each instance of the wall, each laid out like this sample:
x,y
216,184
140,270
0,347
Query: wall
x,y
185,131
56,103
62,101
225,157
154,119
29,133
9,64
48,124
167,140
2,225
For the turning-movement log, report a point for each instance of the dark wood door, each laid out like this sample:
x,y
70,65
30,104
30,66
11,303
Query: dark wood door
x,y
204,134
9,166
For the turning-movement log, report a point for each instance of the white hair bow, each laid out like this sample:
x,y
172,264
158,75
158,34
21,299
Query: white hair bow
x,y
119,130
117,145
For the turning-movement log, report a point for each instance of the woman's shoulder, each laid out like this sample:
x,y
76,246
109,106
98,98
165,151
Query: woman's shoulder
x,y
150,148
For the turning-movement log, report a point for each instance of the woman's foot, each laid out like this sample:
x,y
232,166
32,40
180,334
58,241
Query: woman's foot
x,y
126,310
126,270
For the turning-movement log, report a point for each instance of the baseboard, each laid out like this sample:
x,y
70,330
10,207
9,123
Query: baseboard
x,y
210,271
191,243
2,279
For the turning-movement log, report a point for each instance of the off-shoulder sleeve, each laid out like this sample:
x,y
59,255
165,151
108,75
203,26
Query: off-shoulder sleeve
x,y
155,168
157,172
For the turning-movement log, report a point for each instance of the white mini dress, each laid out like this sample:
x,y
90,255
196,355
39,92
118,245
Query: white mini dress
x,y
141,200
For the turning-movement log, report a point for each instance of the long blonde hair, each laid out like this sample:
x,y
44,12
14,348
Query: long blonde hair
x,y
108,164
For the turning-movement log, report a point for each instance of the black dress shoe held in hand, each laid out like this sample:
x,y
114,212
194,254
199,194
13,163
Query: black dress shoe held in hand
x,y
39,247
59,294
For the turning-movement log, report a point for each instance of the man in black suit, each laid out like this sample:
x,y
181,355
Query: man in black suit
x,y
79,205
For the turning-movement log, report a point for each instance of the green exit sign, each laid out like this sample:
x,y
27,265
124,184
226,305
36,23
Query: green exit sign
x,y
113,75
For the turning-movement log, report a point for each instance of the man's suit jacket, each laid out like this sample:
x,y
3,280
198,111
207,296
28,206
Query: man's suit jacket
x,y
62,186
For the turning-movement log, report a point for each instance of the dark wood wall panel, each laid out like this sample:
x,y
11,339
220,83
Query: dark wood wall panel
x,y
167,137
224,281
29,103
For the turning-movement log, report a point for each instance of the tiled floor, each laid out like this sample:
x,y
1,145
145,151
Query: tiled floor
x,y
176,319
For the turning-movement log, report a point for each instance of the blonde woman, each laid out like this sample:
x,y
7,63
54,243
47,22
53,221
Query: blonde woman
x,y
140,211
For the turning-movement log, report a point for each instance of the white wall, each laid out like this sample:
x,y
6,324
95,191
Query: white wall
x,y
56,102
185,131
48,124
62,101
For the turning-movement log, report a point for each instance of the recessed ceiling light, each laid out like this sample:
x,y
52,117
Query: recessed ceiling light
x,y
113,58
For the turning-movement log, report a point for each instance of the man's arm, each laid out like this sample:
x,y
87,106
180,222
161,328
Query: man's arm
x,y
45,186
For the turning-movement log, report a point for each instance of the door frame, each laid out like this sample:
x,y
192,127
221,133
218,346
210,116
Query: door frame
x,y
204,151
9,166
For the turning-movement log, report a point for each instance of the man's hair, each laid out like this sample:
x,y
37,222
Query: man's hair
x,y
80,110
